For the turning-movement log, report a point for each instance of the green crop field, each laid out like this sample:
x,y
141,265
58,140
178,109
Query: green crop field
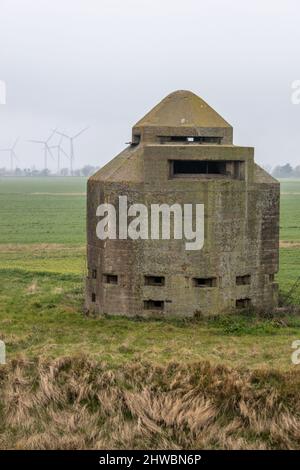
x,y
42,269
290,210
41,210
77,382
289,234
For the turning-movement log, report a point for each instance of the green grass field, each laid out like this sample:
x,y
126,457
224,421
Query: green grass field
x,y
42,268
41,210
290,210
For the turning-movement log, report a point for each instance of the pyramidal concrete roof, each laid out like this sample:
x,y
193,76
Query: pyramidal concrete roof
x,y
182,108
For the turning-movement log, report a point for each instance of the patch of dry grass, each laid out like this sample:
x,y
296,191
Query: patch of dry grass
x,y
78,403
289,244
37,248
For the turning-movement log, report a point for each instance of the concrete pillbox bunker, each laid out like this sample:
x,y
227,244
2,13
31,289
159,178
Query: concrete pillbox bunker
x,y
182,152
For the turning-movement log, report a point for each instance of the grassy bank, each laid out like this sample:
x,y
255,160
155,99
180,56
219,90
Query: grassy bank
x,y
76,403
41,315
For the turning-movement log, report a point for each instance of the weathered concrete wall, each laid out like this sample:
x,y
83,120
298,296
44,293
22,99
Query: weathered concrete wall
x,y
241,238
150,134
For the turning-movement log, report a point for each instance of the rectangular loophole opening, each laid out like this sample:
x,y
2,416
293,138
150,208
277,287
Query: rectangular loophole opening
x,y
205,281
207,168
194,167
110,278
243,280
94,273
182,139
271,277
243,303
93,297
154,304
154,280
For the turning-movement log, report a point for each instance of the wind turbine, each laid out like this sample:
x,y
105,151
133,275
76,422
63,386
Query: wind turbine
x,y
71,139
60,150
46,148
13,155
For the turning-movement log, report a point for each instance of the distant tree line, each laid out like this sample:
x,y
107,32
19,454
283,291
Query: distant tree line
x,y
280,171
286,171
86,170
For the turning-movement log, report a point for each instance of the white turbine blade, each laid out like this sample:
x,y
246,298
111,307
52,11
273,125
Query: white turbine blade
x,y
65,153
64,135
36,141
79,133
52,134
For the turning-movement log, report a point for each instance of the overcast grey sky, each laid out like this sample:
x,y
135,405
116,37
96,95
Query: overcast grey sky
x,y
105,63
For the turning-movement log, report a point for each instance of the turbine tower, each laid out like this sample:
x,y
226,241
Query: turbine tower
x,y
13,155
71,139
59,150
47,149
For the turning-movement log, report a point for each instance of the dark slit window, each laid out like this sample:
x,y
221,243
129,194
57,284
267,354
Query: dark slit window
x,y
243,303
186,139
154,304
205,281
93,297
224,168
243,280
154,280
110,278
94,273
194,167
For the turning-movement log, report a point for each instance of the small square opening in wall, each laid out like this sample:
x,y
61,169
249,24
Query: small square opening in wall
x,y
94,273
154,280
243,280
110,278
205,281
93,297
154,304
243,303
136,139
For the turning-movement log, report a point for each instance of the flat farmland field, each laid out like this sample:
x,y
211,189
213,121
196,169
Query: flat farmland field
x,y
42,210
290,210
50,213
60,362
